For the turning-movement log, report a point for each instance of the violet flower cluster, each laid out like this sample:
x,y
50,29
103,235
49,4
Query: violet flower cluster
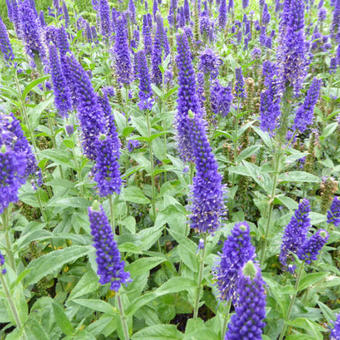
x,y
121,53
17,161
62,96
207,204
269,99
295,238
239,86
221,99
311,248
145,91
292,51
295,232
237,251
110,267
333,214
187,97
305,113
250,310
335,332
209,63
5,45
2,263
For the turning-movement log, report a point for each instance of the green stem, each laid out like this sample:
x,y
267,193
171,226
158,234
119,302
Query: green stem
x,y
122,317
12,305
277,159
24,112
153,202
5,222
292,301
200,277
224,329
113,222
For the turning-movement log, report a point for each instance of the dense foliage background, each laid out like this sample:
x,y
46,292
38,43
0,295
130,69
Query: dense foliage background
x,y
50,280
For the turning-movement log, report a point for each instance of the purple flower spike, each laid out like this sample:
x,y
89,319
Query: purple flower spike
x,y
145,91
187,97
207,190
105,21
62,96
333,214
110,267
17,161
247,322
295,232
335,333
5,45
239,87
237,251
305,113
121,53
312,246
222,17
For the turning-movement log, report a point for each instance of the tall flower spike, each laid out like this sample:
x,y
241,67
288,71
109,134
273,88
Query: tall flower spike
x,y
62,41
17,160
333,214
105,22
207,205
292,51
221,99
311,248
156,56
2,263
335,332
237,251
147,36
62,96
5,45
305,113
222,17
121,53
250,310
187,97
269,99
239,86
110,267
66,15
90,114
30,28
295,232
145,91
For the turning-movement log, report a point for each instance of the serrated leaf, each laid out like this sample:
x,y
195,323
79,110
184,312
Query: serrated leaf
x,y
310,279
173,285
143,265
158,332
33,84
134,194
298,176
87,284
97,305
62,320
53,261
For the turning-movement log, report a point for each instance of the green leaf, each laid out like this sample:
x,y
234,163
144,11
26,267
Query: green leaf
x,y
173,285
33,84
69,202
311,327
310,279
158,332
53,261
97,305
62,320
134,194
251,150
328,130
87,284
298,176
58,157
143,265
327,312
35,331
